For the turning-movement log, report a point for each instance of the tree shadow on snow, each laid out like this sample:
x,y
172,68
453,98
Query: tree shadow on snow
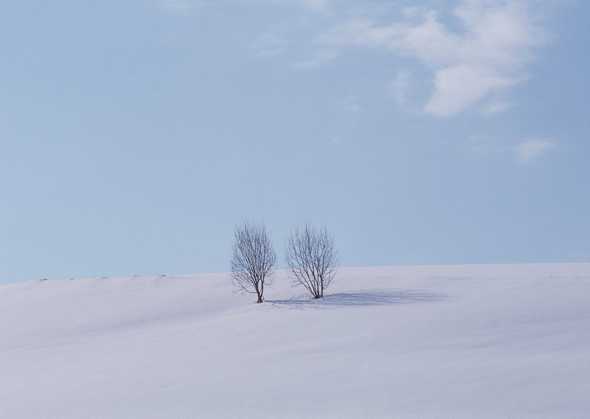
x,y
363,298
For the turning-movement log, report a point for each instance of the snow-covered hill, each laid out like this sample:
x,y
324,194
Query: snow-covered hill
x,y
495,341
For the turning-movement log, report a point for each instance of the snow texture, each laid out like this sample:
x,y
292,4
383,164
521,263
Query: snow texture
x,y
481,341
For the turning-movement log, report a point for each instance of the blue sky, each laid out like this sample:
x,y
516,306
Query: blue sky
x,y
136,134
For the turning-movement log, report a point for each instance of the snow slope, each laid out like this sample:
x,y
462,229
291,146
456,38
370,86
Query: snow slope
x,y
497,341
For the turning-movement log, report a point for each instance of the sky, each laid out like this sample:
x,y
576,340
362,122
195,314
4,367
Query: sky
x,y
135,135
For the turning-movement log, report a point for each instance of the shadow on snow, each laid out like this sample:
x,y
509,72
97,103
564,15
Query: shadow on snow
x,y
363,298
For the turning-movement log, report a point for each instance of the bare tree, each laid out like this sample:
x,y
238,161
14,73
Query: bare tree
x,y
253,259
312,259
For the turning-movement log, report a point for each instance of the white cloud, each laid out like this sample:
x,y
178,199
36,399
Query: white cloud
x,y
490,54
530,150
459,86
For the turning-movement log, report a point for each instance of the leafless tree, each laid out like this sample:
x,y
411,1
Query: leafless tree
x,y
312,259
253,259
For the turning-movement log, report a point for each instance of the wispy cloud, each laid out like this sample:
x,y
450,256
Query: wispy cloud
x,y
351,104
488,55
178,7
318,59
523,151
495,107
269,44
530,150
399,87
316,5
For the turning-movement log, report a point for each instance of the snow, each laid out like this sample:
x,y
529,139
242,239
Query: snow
x,y
485,341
